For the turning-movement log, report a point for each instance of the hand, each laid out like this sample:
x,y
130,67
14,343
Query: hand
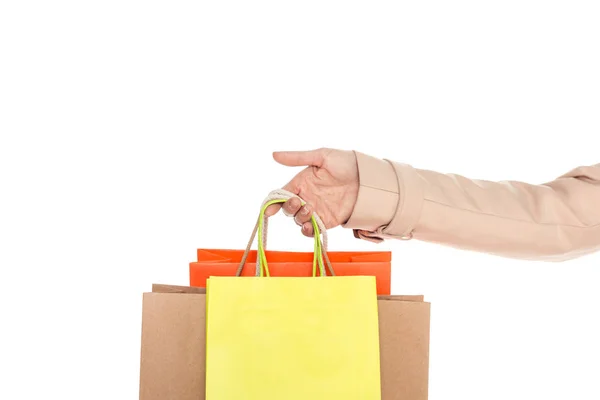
x,y
329,186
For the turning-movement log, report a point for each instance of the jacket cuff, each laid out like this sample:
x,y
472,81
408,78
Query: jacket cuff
x,y
390,200
410,203
378,195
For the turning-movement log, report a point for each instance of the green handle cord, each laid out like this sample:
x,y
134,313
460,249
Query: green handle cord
x,y
318,251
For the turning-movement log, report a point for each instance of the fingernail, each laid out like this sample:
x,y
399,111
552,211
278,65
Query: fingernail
x,y
305,210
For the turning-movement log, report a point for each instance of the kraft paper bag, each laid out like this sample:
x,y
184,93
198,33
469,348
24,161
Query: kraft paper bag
x,y
173,345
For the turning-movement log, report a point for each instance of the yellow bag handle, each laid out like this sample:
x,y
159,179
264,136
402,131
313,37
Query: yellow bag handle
x,y
320,247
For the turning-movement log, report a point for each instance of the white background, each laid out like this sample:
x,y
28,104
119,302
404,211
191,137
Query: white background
x,y
133,132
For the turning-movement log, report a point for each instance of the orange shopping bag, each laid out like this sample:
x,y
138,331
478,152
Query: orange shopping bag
x,y
227,262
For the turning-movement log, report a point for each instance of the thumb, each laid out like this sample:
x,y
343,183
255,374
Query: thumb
x,y
300,158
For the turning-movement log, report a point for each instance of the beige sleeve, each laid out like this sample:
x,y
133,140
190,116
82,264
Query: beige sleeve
x,y
554,221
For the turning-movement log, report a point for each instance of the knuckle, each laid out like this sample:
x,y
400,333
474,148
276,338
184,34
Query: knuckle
x,y
293,203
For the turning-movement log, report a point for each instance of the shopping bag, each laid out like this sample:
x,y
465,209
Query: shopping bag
x,y
225,262
293,338
172,356
173,345
228,262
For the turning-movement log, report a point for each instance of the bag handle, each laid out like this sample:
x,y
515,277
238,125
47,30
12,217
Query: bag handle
x,y
320,247
282,194
262,259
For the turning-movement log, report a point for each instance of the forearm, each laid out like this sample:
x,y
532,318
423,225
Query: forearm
x,y
553,221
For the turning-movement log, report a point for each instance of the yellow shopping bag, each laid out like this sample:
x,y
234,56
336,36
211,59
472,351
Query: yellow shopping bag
x,y
292,338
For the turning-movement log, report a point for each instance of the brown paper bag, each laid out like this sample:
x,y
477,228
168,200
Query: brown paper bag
x,y
172,362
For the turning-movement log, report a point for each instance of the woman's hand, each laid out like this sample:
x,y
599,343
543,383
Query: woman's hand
x,y
329,186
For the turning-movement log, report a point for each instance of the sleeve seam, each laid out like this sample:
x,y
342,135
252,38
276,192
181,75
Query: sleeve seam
x,y
378,188
398,212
